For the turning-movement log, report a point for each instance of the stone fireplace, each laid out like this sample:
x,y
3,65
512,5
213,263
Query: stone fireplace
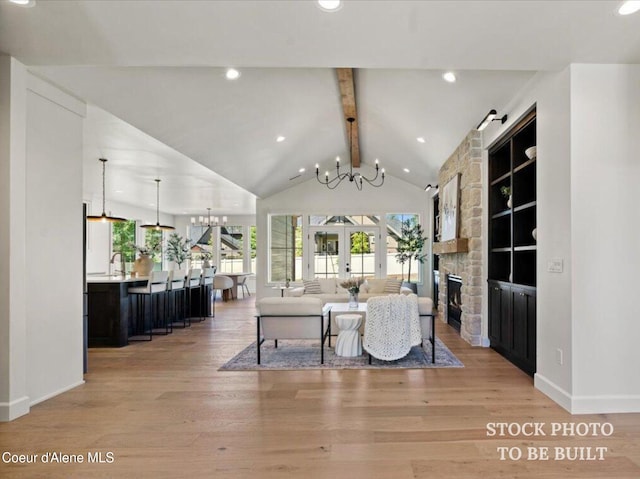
x,y
466,160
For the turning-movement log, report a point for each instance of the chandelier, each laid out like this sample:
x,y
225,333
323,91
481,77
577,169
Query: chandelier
x,y
202,221
356,178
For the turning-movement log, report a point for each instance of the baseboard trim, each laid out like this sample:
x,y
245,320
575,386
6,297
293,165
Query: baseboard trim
x,y
14,409
587,404
551,389
605,404
56,393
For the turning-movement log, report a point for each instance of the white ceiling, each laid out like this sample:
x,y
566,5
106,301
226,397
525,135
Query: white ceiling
x,y
160,67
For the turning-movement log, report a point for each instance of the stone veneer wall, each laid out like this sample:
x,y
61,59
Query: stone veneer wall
x,y
466,160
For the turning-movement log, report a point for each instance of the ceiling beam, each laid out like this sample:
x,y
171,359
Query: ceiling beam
x,y
348,96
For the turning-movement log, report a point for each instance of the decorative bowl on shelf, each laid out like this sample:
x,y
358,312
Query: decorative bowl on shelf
x,y
531,152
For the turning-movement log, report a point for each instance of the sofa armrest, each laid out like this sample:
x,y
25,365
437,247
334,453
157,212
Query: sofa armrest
x,y
425,306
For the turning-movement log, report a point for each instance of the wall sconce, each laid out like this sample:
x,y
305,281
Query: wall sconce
x,y
429,186
491,116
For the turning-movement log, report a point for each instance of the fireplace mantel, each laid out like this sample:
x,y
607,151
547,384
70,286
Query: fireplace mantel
x,y
458,245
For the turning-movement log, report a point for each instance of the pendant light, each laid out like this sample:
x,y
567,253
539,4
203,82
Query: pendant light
x,y
103,218
158,226
355,178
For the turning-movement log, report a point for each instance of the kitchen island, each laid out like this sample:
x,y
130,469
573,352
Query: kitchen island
x,y
109,310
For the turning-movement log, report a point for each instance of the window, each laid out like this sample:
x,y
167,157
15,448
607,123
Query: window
x,y
123,237
285,249
252,248
201,240
396,269
362,253
231,249
153,236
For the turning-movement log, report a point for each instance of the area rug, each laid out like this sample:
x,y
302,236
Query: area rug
x,y
293,354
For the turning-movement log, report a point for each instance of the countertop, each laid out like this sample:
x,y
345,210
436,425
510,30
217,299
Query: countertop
x,y
114,278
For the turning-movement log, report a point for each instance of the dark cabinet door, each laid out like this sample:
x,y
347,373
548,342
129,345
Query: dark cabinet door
x,y
495,308
500,312
524,326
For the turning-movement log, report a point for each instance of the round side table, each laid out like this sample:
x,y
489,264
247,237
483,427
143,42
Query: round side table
x,y
349,343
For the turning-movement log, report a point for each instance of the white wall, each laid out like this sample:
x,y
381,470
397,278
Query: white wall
x,y
310,197
588,119
14,398
53,241
605,174
41,240
550,93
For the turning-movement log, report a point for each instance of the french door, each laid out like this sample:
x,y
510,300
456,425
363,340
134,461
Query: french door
x,y
327,252
344,251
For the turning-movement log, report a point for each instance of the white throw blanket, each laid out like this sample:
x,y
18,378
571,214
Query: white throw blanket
x,y
392,326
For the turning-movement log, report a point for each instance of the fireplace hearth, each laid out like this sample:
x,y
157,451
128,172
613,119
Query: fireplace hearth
x,y
454,301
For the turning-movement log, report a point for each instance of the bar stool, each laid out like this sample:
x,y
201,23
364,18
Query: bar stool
x,y
156,288
193,283
177,279
206,283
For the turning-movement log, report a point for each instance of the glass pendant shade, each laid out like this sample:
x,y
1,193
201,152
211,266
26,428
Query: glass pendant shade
x,y
104,218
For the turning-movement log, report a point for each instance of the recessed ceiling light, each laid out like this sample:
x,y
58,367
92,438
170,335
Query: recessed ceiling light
x,y
449,77
280,139
420,139
629,7
406,170
24,3
119,191
330,5
301,170
232,74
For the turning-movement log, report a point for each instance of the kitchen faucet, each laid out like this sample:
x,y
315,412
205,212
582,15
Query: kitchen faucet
x,y
113,260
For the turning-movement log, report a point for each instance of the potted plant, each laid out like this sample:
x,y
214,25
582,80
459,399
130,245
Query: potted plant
x,y
353,286
178,249
506,192
410,246
143,264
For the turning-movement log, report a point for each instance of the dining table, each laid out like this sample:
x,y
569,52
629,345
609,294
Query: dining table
x,y
236,278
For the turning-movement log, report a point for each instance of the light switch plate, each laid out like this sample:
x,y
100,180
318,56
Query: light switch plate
x,y
555,266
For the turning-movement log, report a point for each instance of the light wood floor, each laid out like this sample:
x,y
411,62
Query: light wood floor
x,y
165,410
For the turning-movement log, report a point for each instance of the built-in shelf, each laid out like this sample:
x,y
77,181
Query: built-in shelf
x,y
458,245
530,204
523,166
500,179
512,257
502,213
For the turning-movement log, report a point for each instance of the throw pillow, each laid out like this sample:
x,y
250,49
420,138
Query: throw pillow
x,y
311,286
376,285
327,285
392,286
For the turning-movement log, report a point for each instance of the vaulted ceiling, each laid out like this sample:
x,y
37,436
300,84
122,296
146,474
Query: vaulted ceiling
x,y
159,66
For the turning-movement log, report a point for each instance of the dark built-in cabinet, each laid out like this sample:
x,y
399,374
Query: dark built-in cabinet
x,y
512,245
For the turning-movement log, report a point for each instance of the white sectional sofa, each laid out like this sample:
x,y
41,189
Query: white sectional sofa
x,y
329,290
